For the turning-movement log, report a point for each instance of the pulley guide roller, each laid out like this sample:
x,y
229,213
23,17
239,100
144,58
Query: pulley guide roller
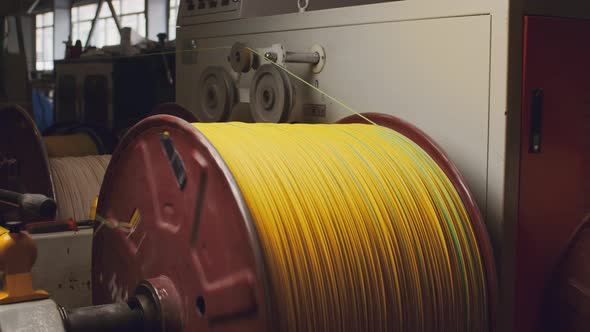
x,y
294,227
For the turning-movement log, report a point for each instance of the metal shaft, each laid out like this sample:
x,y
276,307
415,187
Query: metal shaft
x,y
118,317
302,57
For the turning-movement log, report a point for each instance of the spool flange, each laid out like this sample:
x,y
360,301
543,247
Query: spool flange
x,y
217,95
271,95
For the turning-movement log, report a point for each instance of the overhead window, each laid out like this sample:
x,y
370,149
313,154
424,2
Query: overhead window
x,y
131,13
82,21
44,41
173,13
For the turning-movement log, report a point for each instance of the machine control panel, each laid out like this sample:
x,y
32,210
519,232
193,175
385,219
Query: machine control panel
x,y
194,12
205,7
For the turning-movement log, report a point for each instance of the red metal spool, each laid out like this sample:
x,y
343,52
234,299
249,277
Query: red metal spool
x,y
195,231
24,166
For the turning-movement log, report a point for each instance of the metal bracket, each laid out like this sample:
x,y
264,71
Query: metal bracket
x,y
536,121
302,5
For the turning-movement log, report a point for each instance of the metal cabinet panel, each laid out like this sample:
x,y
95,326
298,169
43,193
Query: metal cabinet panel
x,y
554,191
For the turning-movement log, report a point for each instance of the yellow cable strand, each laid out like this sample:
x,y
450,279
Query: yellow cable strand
x,y
360,229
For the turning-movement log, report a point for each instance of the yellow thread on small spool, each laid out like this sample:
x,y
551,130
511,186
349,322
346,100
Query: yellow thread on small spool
x,y
360,229
76,145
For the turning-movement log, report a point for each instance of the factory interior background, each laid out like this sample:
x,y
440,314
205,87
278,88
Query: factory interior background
x,y
294,165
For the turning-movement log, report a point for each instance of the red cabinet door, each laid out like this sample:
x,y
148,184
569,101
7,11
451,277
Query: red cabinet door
x,y
554,192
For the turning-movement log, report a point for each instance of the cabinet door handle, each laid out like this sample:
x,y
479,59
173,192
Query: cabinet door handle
x,y
536,121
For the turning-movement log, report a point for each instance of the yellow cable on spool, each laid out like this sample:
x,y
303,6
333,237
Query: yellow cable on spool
x,y
360,229
77,145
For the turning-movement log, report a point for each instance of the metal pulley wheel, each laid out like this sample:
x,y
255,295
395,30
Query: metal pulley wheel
x,y
217,95
271,95
240,58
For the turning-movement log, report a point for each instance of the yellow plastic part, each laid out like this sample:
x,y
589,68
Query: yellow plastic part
x,y
77,145
92,215
17,256
360,229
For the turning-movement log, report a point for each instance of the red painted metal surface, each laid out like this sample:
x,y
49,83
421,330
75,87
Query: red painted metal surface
x,y
437,154
199,237
567,307
554,194
23,161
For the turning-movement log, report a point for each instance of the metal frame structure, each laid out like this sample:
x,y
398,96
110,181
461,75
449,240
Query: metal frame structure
x,y
98,8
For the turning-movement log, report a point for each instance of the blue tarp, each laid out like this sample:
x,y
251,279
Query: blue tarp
x,y
42,110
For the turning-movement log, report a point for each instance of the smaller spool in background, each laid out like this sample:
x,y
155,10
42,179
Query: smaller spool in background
x,y
36,172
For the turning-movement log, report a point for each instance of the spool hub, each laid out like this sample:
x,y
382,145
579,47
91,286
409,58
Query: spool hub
x,y
217,95
195,230
271,95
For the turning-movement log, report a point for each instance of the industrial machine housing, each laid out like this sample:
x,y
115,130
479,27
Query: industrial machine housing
x,y
484,79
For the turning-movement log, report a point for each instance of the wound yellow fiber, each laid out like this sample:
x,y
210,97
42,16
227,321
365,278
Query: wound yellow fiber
x,y
77,145
360,229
